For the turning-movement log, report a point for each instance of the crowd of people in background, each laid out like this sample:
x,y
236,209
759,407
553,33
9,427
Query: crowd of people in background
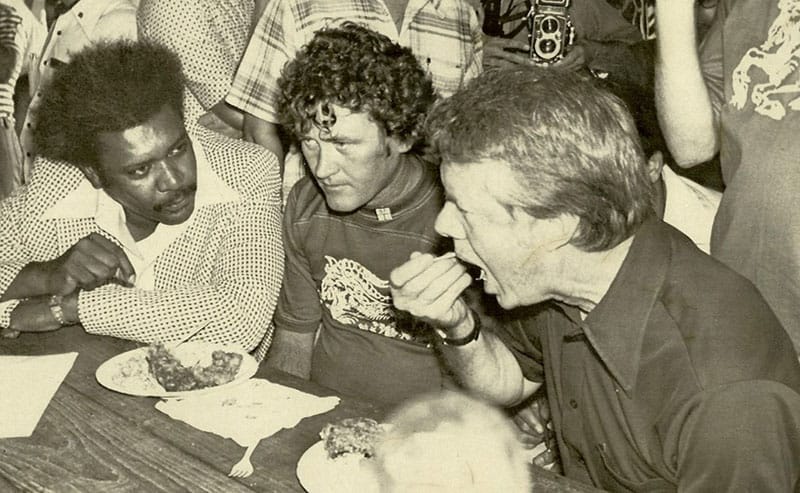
x,y
398,197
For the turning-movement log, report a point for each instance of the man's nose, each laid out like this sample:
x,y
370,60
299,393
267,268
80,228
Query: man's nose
x,y
170,176
447,224
326,164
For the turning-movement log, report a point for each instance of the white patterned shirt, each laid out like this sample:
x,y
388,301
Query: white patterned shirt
x,y
223,272
209,37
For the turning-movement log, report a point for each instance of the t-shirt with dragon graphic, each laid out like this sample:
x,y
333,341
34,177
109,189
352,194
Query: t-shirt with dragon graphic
x,y
751,64
337,273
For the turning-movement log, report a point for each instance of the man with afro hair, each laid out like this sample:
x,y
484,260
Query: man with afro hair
x,y
133,227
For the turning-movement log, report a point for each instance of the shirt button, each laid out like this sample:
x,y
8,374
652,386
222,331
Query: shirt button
x,y
573,404
28,125
28,154
45,63
58,33
80,15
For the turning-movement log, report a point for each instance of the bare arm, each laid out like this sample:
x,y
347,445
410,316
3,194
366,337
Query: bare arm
x,y
265,134
230,115
487,367
291,352
431,290
684,107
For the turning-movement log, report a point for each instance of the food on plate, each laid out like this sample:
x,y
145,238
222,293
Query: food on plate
x,y
171,373
357,436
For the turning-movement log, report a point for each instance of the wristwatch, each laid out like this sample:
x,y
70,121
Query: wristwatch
x,y
472,336
56,310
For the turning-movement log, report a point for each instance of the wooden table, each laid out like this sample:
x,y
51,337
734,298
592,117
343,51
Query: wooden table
x,y
91,439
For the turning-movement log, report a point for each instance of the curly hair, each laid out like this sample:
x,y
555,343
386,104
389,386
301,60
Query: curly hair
x,y
363,71
572,145
107,87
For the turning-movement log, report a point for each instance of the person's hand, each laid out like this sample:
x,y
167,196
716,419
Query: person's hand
x,y
430,288
93,261
502,53
211,121
32,315
533,421
574,60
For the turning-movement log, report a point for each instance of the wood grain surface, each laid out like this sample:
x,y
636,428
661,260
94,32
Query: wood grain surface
x,y
91,439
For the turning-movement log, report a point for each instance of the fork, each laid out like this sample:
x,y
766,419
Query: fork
x,y
244,468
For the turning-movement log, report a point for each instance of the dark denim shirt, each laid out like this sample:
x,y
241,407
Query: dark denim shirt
x,y
681,378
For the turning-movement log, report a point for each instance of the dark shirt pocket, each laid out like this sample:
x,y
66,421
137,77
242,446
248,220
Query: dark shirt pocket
x,y
618,482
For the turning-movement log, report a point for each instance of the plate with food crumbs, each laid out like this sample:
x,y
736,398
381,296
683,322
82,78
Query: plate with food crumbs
x,y
177,371
343,461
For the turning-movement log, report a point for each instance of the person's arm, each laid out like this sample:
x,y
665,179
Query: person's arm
x,y
228,114
431,290
93,261
8,60
298,316
685,111
263,133
236,304
255,85
743,436
291,352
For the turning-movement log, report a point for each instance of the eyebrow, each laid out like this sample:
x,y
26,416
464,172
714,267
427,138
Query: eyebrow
x,y
183,137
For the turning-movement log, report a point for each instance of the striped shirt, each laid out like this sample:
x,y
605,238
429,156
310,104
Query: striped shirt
x,y
21,38
445,36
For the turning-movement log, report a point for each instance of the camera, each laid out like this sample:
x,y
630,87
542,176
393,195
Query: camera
x,y
550,30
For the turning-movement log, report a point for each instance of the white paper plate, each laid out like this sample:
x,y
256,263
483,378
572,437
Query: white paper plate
x,y
128,372
349,474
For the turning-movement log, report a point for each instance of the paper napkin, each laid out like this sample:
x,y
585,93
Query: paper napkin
x,y
248,412
27,384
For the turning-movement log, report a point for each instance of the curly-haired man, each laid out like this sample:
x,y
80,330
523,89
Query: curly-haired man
x,y
356,101
131,226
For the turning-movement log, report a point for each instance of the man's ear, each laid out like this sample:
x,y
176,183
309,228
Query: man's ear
x,y
569,226
398,146
91,174
654,165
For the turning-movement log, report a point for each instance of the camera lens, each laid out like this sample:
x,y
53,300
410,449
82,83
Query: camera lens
x,y
549,25
547,46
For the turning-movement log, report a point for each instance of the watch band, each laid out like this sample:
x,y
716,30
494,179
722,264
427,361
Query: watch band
x,y
56,310
472,336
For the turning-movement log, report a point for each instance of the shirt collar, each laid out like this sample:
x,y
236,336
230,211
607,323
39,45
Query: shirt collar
x,y
85,201
616,326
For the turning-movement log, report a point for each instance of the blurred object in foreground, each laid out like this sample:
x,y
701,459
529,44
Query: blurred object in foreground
x,y
451,442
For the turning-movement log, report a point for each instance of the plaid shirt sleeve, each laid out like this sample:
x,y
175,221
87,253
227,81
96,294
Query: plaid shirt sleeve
x,y
255,87
475,66
236,303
